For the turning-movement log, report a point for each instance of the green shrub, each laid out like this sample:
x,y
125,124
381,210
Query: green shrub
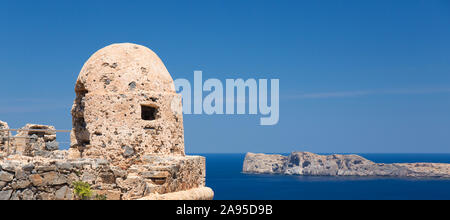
x,y
82,190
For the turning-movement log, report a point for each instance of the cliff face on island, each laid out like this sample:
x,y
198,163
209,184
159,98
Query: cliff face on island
x,y
309,164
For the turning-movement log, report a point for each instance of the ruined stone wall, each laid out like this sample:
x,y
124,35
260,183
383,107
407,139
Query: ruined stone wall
x,y
38,178
30,141
127,139
3,136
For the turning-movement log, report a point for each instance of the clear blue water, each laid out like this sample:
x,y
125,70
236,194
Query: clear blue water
x,y
229,183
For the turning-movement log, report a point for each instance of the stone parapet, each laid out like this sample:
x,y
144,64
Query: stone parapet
x,y
40,178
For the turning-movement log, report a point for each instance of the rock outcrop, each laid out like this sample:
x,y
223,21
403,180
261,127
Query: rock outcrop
x,y
309,164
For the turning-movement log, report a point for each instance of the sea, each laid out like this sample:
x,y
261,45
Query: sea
x,y
224,175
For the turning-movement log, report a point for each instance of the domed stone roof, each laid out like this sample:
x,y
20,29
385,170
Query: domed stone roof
x,y
126,107
123,68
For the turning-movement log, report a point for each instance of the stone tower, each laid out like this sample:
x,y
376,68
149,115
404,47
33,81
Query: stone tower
x,y
127,139
126,107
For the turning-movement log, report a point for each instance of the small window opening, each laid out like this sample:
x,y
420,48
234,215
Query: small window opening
x,y
148,113
158,180
36,131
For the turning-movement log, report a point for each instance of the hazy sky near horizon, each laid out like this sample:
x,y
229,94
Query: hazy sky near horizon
x,y
355,76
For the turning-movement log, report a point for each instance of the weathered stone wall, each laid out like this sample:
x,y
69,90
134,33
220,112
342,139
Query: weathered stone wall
x,y
3,136
172,173
23,178
30,141
127,139
126,106
38,178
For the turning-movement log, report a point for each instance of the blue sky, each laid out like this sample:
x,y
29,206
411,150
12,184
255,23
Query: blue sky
x,y
355,76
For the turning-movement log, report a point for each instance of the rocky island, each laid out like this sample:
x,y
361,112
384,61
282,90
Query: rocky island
x,y
310,164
